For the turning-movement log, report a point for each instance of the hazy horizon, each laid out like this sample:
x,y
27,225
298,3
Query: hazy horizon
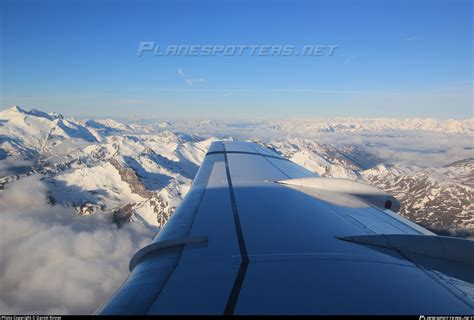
x,y
217,118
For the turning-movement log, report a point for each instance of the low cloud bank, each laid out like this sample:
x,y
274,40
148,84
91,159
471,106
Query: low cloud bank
x,y
421,148
54,262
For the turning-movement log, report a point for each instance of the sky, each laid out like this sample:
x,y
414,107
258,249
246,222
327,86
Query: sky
x,y
390,58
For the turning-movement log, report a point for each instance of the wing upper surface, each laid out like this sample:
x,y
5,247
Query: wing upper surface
x,y
241,243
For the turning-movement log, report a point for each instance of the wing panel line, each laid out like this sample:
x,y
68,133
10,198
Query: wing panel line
x,y
180,250
274,165
234,294
246,152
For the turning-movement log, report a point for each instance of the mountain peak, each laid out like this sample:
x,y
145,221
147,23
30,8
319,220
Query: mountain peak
x,y
12,112
15,109
33,112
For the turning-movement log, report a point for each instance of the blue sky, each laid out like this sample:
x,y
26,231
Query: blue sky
x,y
394,58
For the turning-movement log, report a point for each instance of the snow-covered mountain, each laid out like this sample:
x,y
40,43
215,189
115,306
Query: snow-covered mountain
x,y
100,168
141,171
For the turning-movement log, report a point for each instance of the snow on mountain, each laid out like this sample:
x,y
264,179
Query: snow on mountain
x,y
101,165
140,172
108,126
326,160
38,132
441,199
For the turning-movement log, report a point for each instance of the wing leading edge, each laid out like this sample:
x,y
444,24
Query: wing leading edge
x,y
258,234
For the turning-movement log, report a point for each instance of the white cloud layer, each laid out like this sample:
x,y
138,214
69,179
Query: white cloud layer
x,y
13,165
421,148
55,262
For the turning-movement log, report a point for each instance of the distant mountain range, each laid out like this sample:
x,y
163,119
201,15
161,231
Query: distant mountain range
x,y
141,171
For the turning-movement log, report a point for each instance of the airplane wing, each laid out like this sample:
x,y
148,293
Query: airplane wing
x,y
258,234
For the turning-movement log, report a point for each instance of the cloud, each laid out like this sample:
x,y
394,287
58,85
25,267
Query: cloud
x,y
54,262
409,39
14,165
421,147
190,82
193,81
